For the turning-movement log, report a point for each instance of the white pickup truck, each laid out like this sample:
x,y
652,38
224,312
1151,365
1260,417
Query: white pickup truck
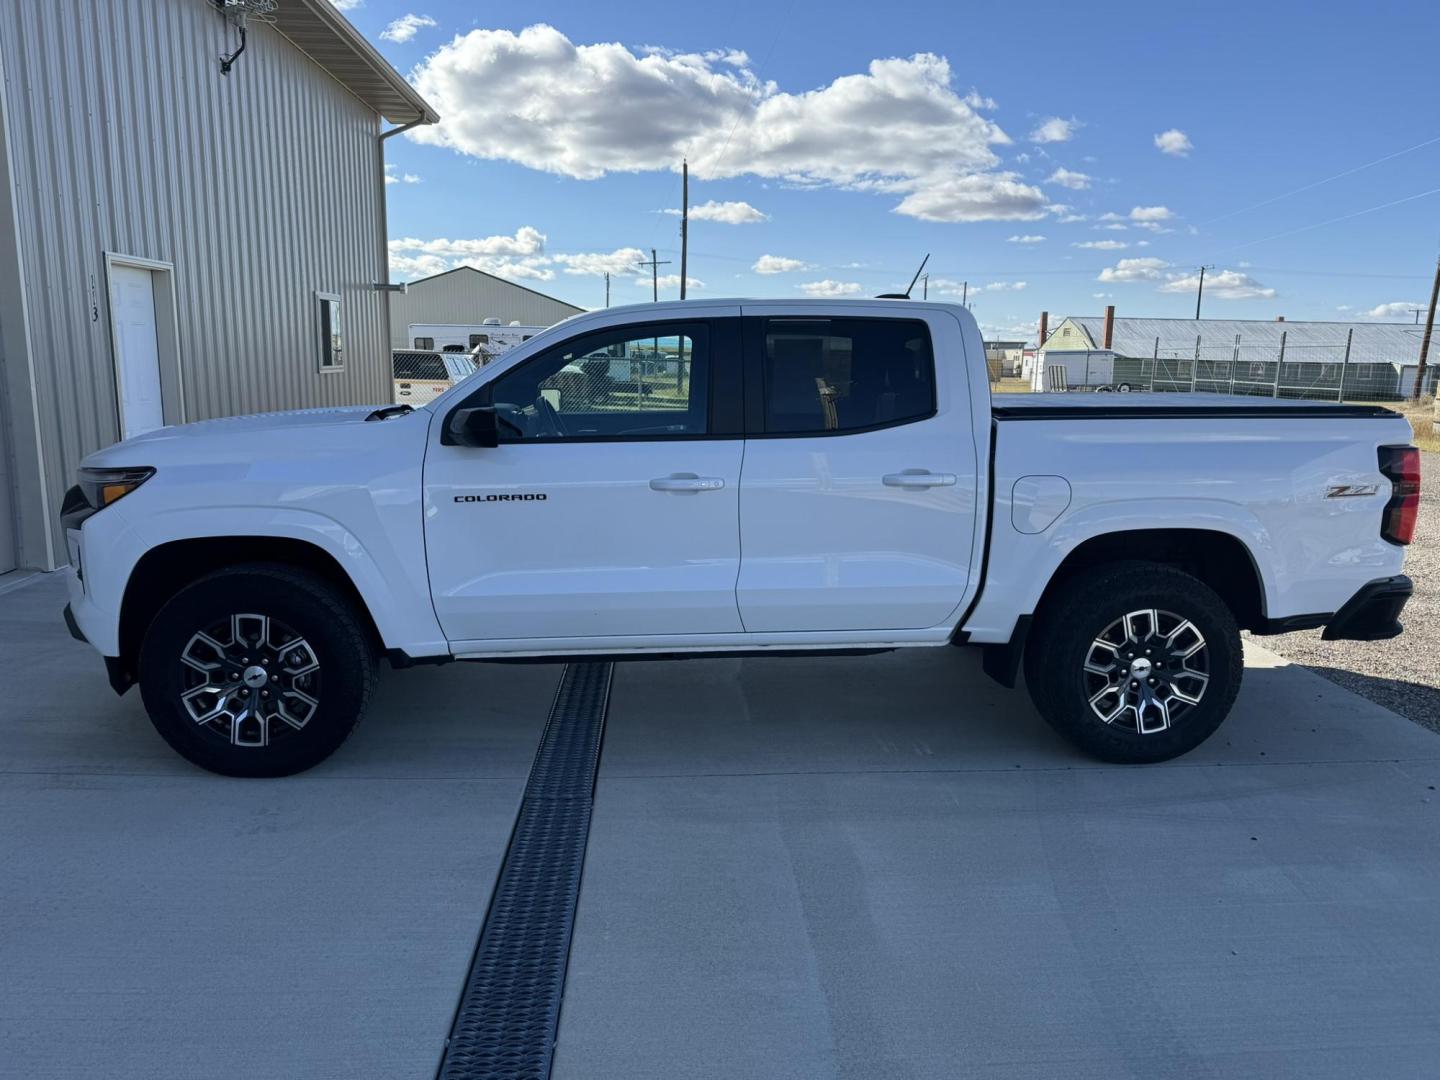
x,y
794,476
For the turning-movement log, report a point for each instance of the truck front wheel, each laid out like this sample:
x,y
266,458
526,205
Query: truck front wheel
x,y
256,670
1134,662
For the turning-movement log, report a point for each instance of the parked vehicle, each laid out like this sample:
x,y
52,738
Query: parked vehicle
x,y
830,476
421,376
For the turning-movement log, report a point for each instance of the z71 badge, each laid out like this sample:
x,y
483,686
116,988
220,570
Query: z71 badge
x,y
1351,491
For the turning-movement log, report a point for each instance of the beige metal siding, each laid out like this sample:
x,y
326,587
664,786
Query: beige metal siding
x,y
260,188
466,296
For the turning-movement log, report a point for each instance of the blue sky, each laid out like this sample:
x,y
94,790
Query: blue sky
x,y
1055,156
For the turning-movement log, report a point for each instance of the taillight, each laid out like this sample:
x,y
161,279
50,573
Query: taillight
x,y
1401,466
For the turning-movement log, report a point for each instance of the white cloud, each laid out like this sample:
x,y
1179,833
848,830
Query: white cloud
x,y
1001,286
1068,218
406,27
1075,181
1114,226
979,197
392,177
1151,213
777,264
669,281
977,100
1103,245
1227,285
1028,238
597,264
1394,310
521,256
1174,142
1054,129
347,5
830,288
1134,270
583,111
731,213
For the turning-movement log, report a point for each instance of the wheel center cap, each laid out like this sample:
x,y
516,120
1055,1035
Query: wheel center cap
x,y
1139,668
256,676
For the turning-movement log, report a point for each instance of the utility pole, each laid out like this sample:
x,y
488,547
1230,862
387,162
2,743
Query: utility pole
x,y
1200,292
1425,340
925,286
684,222
654,264
964,294
607,288
1417,312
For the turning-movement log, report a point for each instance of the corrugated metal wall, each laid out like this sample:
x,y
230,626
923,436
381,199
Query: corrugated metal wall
x,y
260,187
466,296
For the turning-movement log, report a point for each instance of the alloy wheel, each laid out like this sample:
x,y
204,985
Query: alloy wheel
x,y
249,679
1146,670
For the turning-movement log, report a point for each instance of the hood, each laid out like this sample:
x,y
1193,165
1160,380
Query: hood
x,y
298,430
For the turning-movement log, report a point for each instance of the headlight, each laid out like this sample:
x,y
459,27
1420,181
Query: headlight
x,y
96,489
105,486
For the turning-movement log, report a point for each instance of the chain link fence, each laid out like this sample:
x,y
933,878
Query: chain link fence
x,y
1340,372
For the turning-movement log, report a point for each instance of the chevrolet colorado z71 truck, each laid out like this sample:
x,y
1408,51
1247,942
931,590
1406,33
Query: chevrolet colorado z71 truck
x,y
726,478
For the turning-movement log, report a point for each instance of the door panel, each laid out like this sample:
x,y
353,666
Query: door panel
x,y
871,526
608,510
602,553
137,350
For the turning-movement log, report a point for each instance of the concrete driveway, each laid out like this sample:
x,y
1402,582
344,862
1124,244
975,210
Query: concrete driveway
x,y
861,867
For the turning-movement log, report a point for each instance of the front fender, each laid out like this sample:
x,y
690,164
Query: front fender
x,y
392,585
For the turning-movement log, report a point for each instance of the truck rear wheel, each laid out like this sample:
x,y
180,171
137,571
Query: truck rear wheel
x,y
256,670
1134,662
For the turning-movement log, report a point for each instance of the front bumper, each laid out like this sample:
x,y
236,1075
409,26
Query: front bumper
x,y
1373,613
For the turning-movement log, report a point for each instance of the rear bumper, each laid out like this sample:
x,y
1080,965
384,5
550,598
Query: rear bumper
x,y
1373,613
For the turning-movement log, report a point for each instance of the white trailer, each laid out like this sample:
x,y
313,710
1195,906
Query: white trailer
x,y
1073,369
482,341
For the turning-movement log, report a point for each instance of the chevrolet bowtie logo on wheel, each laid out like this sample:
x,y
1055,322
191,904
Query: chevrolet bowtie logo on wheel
x,y
527,496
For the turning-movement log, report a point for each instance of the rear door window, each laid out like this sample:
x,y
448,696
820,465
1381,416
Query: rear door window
x,y
835,376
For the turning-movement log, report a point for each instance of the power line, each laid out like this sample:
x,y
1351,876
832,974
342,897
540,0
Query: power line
x,y
1334,221
1321,183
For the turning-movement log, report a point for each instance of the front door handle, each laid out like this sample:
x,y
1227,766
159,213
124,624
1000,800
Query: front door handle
x,y
686,482
918,478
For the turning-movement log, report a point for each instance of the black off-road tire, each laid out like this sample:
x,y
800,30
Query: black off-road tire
x,y
1080,611
300,601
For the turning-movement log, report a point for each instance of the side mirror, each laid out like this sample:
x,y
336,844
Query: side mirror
x,y
472,427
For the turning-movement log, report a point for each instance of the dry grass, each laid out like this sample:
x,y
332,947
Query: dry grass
x,y
1422,417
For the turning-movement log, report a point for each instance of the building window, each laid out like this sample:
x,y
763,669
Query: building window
x,y
479,339
427,343
332,340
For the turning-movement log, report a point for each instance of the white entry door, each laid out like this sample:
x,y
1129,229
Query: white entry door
x,y
7,514
137,349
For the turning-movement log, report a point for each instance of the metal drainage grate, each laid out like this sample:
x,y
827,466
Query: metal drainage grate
x,y
505,1024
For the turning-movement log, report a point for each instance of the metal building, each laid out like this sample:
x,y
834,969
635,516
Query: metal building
x,y
469,296
177,243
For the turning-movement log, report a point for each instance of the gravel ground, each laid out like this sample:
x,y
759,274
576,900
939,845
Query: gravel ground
x,y
1404,674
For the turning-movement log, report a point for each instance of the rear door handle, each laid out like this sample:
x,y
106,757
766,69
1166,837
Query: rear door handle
x,y
918,478
687,482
